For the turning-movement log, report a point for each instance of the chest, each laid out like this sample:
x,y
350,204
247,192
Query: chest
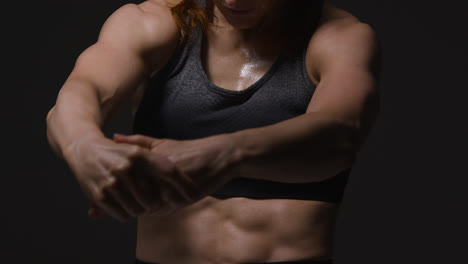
x,y
210,90
188,105
236,71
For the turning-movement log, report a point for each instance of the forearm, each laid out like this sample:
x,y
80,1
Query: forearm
x,y
307,148
75,115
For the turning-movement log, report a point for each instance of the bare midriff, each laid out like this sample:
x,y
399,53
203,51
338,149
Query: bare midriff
x,y
239,230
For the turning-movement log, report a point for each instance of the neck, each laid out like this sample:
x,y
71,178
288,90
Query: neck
x,y
260,37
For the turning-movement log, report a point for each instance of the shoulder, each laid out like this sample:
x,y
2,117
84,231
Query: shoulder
x,y
148,17
143,12
341,40
147,29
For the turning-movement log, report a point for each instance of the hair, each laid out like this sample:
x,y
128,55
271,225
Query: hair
x,y
301,18
188,15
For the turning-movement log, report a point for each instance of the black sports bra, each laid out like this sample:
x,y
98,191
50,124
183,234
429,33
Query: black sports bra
x,y
182,103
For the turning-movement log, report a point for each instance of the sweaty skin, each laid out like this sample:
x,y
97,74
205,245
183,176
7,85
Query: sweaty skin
x,y
134,44
238,230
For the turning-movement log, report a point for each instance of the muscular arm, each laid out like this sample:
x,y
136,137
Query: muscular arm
x,y
324,141
135,42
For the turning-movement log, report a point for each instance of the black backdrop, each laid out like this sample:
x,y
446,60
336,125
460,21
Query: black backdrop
x,y
405,201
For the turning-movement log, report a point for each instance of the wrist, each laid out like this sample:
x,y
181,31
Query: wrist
x,y
242,151
69,148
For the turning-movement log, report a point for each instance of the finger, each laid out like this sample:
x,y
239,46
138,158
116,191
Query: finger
x,y
94,211
160,169
125,198
172,197
143,186
170,173
170,201
140,140
144,190
195,193
107,203
185,186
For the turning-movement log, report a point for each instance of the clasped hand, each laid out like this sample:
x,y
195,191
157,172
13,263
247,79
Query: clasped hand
x,y
135,175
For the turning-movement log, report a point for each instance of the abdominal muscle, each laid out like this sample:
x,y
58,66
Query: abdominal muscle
x,y
238,230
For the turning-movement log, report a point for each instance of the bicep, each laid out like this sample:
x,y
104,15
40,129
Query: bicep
x,y
347,94
112,72
120,61
348,86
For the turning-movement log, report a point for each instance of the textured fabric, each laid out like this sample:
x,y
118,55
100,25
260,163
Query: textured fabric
x,y
182,103
306,261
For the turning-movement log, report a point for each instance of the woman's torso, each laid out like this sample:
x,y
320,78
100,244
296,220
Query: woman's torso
x,y
239,229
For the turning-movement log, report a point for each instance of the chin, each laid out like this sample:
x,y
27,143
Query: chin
x,y
242,23
241,26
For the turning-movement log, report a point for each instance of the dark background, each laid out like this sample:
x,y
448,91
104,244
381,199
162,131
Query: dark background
x,y
406,199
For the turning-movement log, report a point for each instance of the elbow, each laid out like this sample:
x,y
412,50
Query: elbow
x,y
348,145
348,158
48,125
49,114
50,138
